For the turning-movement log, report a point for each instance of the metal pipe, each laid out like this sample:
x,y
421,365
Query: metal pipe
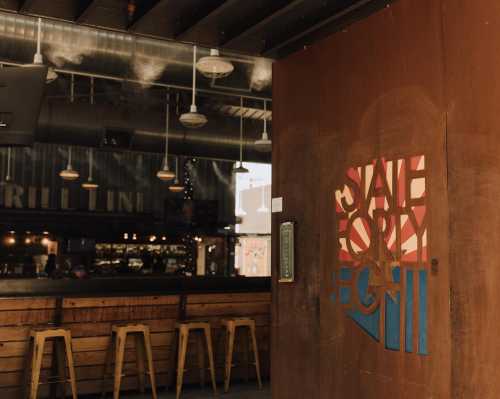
x,y
143,82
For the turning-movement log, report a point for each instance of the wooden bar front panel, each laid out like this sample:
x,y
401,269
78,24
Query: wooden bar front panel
x,y
90,321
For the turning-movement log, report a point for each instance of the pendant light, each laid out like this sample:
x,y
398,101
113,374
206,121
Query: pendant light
x,y
214,66
264,144
240,168
176,187
165,174
90,184
193,119
38,58
69,173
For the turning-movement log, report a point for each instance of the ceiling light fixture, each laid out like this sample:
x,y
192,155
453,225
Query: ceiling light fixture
x,y
69,173
193,119
38,58
240,168
176,187
165,174
90,184
214,66
264,144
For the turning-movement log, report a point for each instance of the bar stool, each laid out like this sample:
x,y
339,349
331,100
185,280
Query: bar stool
x,y
62,338
230,326
203,329
117,343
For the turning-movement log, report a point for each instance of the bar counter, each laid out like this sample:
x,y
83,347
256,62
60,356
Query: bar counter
x,y
90,307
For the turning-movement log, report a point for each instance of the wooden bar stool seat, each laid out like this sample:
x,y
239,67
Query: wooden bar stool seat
x,y
204,331
231,325
64,356
142,336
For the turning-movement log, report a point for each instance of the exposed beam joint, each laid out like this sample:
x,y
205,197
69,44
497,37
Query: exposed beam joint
x,y
144,7
137,21
25,5
212,14
328,21
85,9
266,21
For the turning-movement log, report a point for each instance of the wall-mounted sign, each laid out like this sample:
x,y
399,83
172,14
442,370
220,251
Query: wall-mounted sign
x,y
287,258
277,205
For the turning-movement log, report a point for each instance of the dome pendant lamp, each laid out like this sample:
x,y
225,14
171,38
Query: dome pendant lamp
x,y
69,173
38,58
176,187
264,144
240,168
193,119
165,174
214,66
90,184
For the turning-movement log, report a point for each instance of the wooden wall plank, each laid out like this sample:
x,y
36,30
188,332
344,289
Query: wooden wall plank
x,y
120,301
27,303
90,321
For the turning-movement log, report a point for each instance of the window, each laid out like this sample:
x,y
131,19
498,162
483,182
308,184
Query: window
x,y
253,208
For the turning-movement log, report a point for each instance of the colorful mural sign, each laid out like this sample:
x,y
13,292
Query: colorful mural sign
x,y
381,273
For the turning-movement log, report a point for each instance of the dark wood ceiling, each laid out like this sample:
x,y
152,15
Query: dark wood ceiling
x,y
272,28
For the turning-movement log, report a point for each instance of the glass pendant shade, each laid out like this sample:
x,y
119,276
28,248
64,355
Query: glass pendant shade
x,y
214,66
193,119
69,174
90,185
165,174
176,187
240,168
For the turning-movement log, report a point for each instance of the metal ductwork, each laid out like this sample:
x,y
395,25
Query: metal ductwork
x,y
125,56
140,129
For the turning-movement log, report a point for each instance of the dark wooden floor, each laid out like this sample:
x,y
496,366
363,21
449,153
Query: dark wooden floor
x,y
238,391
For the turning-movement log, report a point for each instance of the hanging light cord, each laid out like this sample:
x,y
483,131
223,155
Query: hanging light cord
x,y
70,167
194,75
71,99
241,131
72,89
9,155
92,90
176,169
91,161
167,123
265,117
39,37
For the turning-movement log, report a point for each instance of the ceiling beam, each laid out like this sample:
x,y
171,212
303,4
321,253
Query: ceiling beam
x,y
147,11
25,5
266,21
335,19
184,35
144,7
85,8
